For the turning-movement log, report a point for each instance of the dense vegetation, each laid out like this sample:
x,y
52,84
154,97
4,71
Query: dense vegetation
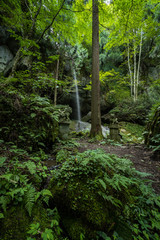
x,y
90,195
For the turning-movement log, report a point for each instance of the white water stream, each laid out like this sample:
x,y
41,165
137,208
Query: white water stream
x,y
85,126
77,97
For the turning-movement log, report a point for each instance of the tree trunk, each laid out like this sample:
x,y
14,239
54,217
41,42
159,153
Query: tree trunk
x,y
95,99
15,62
55,89
135,70
139,61
130,71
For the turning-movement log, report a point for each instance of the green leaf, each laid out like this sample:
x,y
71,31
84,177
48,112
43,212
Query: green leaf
x,y
102,183
2,160
46,192
1,215
103,235
33,115
48,234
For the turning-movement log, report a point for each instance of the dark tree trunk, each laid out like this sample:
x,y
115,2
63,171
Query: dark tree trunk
x,y
95,100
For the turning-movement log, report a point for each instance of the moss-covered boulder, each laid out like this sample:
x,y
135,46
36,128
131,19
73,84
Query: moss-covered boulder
x,y
93,191
16,222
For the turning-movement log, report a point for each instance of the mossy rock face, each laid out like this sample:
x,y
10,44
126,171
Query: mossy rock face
x,y
152,136
87,210
16,222
78,228
83,193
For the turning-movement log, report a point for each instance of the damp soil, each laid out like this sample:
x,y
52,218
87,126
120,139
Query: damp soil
x,y
142,158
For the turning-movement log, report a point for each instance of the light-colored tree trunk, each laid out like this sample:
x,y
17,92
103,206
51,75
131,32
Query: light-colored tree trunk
x,y
95,99
55,88
135,71
130,71
139,62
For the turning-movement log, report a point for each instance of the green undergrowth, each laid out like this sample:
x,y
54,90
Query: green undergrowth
x,y
131,132
24,202
28,116
64,148
101,196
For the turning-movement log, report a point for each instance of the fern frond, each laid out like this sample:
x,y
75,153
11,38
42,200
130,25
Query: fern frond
x,y
30,199
123,230
45,193
31,167
3,202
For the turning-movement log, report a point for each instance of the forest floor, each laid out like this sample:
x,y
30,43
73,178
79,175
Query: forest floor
x,y
141,157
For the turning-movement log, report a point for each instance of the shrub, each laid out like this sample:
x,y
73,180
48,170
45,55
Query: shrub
x,y
28,119
131,111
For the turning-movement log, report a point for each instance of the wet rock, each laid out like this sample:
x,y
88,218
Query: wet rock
x,y
5,57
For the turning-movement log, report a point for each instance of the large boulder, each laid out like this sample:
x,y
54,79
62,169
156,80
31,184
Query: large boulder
x,y
93,192
5,57
16,221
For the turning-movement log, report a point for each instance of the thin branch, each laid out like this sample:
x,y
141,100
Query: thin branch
x,y
104,26
29,9
86,9
35,18
51,21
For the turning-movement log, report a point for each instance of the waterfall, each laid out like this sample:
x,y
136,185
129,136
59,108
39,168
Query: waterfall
x,y
77,97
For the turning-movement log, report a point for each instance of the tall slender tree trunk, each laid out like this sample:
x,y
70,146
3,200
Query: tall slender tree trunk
x,y
55,89
135,70
95,99
130,71
139,61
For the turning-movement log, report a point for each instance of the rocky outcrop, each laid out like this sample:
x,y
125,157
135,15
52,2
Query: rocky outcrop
x,y
152,135
5,57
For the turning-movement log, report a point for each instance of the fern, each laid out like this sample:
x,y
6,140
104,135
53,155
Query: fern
x,y
45,194
3,202
116,202
30,199
102,183
31,167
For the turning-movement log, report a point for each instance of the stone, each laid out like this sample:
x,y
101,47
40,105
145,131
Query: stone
x,y
114,132
87,118
64,130
5,57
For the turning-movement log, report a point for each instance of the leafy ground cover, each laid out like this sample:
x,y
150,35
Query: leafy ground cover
x,y
141,157
83,193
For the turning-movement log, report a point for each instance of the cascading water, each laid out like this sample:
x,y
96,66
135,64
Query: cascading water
x,y
77,97
83,126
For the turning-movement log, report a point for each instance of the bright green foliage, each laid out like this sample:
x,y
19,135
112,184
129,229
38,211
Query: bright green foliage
x,y
96,191
114,86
